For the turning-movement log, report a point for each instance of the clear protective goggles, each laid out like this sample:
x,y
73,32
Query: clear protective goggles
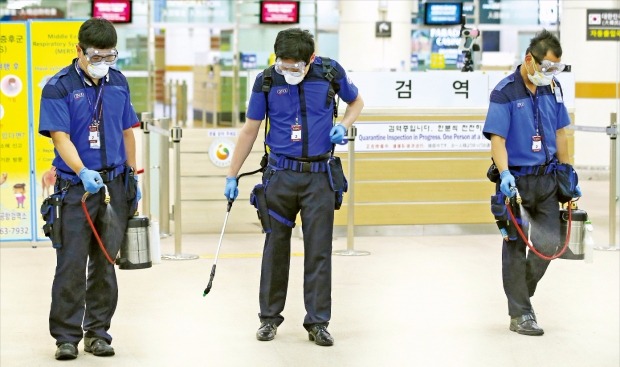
x,y
95,57
292,69
551,68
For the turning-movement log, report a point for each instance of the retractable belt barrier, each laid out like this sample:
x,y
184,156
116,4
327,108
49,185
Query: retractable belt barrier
x,y
612,131
174,134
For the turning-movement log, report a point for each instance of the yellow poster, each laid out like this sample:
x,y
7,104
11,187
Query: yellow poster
x,y
16,190
52,48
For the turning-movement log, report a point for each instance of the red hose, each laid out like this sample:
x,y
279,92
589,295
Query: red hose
x,y
541,255
92,226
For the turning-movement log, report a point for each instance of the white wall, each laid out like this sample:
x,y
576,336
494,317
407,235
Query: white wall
x,y
592,62
360,50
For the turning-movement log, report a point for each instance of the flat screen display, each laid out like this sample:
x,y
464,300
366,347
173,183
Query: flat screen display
x,y
116,11
443,13
279,12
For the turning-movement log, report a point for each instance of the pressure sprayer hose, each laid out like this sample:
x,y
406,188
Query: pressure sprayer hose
x,y
92,226
529,244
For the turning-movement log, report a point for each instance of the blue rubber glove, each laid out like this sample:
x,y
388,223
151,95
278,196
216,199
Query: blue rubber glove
x,y
91,180
337,133
508,181
231,191
138,192
577,191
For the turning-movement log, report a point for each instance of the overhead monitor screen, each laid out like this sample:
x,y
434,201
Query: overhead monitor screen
x,y
116,11
279,12
443,13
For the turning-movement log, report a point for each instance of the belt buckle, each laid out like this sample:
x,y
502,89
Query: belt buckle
x,y
305,166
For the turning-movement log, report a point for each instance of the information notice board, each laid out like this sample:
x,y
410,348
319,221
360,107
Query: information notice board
x,y
30,54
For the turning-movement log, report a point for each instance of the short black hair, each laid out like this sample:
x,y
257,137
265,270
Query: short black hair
x,y
97,33
294,43
543,42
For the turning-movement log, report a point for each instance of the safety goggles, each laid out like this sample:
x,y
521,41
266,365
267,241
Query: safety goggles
x,y
96,58
549,67
292,69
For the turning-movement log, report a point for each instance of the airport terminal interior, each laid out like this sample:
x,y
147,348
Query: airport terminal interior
x,y
417,255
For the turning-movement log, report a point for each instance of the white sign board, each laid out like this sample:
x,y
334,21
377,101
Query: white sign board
x,y
433,136
428,89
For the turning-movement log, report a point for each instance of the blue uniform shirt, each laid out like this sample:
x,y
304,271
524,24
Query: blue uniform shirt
x,y
67,105
302,107
512,116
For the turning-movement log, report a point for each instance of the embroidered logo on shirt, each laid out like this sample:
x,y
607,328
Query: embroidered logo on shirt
x,y
520,104
78,95
281,91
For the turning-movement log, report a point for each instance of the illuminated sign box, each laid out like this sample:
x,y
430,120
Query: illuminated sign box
x,y
116,11
279,12
443,13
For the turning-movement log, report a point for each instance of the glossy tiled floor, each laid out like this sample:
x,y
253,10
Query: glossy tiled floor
x,y
415,301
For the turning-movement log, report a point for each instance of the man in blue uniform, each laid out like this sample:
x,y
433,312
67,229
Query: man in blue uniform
x,y
526,124
300,139
87,112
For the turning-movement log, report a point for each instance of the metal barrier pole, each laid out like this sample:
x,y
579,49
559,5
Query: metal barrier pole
x,y
175,134
164,184
184,103
147,118
612,131
350,251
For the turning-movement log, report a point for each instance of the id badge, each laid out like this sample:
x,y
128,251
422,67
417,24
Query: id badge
x,y
93,137
296,132
536,143
558,95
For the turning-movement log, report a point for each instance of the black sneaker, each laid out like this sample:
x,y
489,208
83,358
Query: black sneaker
x,y
320,336
98,347
66,351
267,331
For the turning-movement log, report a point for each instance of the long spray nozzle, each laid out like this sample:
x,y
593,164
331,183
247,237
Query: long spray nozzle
x,y
516,197
107,195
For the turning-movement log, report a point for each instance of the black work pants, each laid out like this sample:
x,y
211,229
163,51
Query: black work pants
x,y
84,291
521,269
289,193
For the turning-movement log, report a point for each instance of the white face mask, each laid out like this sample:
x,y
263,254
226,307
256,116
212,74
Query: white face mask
x,y
539,79
98,71
293,80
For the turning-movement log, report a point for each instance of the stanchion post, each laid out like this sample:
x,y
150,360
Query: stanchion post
x,y
164,185
612,131
147,119
176,133
350,251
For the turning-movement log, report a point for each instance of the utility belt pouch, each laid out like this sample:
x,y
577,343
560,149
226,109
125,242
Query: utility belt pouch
x,y
51,212
337,180
500,212
259,201
567,181
131,189
493,173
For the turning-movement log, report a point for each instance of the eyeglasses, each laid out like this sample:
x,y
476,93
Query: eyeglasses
x,y
95,58
549,67
293,69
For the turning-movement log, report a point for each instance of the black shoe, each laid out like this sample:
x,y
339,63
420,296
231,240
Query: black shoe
x,y
98,347
266,331
320,336
66,351
526,325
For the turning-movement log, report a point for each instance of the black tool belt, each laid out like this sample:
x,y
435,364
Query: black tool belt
x,y
533,170
107,175
313,164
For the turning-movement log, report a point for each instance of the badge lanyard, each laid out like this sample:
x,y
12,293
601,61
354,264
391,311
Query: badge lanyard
x,y
296,128
95,127
538,140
